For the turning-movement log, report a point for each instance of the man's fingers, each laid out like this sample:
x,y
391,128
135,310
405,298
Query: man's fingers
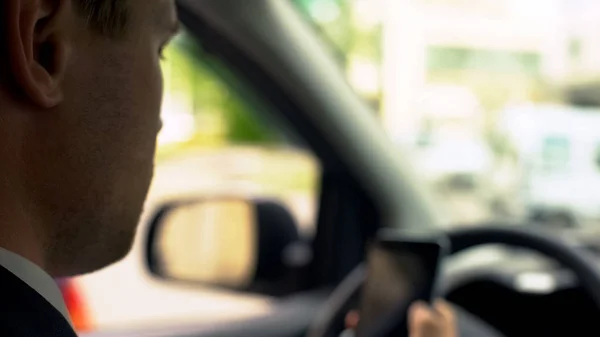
x,y
421,320
443,309
352,320
431,322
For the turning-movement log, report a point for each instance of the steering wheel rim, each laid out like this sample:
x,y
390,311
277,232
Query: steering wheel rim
x,y
578,261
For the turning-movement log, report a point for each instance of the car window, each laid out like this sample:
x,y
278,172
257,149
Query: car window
x,y
218,140
495,102
209,115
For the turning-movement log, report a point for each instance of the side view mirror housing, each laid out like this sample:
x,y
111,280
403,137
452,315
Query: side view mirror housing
x,y
237,244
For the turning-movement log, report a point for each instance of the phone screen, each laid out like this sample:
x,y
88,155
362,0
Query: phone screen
x,y
398,273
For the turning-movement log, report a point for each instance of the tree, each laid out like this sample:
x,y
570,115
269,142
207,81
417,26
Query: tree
x,y
215,90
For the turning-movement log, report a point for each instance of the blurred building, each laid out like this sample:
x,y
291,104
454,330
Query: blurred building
x,y
429,41
394,49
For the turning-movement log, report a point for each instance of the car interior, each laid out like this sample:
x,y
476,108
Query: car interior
x,y
544,284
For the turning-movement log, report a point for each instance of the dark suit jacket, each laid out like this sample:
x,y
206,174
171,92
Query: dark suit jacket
x,y
25,313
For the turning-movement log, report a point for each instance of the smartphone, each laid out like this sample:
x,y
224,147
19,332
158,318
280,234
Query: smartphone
x,y
401,268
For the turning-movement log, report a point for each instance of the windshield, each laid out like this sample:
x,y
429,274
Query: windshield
x,y
495,101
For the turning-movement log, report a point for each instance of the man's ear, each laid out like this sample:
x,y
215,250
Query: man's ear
x,y
38,47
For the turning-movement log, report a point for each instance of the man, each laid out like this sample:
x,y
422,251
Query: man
x,y
80,94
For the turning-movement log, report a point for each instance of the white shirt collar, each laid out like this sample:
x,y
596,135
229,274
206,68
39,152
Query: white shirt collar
x,y
36,278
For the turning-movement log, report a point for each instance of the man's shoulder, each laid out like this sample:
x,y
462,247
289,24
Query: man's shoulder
x,y
24,312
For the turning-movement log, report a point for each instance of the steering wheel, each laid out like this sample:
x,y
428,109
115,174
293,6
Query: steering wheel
x,y
577,261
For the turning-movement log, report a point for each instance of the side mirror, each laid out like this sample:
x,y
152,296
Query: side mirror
x,y
238,244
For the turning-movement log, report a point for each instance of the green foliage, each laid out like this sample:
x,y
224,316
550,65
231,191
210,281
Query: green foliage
x,y
217,93
442,58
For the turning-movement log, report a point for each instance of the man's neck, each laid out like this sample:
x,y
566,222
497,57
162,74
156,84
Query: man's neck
x,y
28,251
20,229
18,234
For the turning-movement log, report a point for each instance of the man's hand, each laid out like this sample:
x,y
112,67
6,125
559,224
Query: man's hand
x,y
436,321
423,320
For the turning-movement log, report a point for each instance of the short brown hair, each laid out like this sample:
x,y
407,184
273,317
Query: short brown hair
x,y
107,17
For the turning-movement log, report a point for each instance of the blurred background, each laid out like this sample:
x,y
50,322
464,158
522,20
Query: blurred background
x,y
460,84
494,101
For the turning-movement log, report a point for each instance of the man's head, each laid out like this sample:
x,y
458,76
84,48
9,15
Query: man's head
x,y
80,91
107,17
